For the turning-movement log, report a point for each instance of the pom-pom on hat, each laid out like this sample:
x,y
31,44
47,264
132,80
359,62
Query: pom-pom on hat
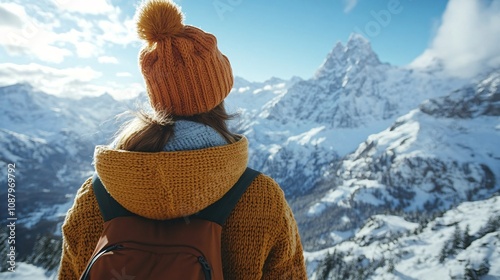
x,y
184,71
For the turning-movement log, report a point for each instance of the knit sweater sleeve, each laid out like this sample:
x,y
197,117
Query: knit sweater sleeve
x,y
260,239
81,230
286,259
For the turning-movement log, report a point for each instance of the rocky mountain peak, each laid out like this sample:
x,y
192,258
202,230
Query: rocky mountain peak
x,y
356,53
19,90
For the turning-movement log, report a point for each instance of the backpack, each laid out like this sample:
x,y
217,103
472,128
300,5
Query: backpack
x,y
133,247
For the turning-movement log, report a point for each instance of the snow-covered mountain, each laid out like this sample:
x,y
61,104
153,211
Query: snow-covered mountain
x,y
32,112
51,141
462,243
430,160
367,153
442,153
304,125
353,89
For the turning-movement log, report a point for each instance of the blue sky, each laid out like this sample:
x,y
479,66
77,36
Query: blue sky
x,y
286,38
87,47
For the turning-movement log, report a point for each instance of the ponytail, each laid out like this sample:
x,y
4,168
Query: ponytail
x,y
150,132
147,132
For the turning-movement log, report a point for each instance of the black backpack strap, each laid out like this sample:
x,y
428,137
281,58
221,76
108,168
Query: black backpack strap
x,y
109,207
219,211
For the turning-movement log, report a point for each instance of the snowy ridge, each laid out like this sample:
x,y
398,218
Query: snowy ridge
x,y
353,89
51,140
428,161
300,127
35,113
412,251
422,163
26,271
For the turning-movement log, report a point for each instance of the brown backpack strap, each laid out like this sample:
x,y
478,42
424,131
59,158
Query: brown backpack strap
x,y
218,212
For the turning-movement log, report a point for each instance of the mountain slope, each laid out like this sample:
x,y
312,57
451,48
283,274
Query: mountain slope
x,y
365,152
462,243
430,160
50,140
427,161
306,125
354,89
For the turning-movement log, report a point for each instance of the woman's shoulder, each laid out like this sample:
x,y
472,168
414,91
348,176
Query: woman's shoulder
x,y
263,198
266,186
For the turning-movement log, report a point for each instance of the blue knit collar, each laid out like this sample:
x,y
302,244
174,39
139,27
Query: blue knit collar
x,y
189,135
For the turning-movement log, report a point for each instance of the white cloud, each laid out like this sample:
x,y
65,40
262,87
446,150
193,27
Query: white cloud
x,y
66,29
49,53
62,82
107,19
83,41
8,18
123,74
121,91
86,49
116,31
93,7
68,82
349,5
24,35
107,59
52,35
468,39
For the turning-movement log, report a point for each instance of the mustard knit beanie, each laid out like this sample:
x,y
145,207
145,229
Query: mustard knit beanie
x,y
184,71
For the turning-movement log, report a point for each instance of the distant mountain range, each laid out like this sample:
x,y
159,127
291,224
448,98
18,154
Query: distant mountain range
x,y
380,163
440,154
300,127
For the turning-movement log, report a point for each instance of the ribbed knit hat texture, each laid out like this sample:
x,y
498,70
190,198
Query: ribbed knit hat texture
x,y
184,71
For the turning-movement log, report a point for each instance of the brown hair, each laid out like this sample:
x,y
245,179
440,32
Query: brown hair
x,y
150,132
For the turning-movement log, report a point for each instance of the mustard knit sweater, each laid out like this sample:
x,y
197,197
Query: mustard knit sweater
x,y
260,239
